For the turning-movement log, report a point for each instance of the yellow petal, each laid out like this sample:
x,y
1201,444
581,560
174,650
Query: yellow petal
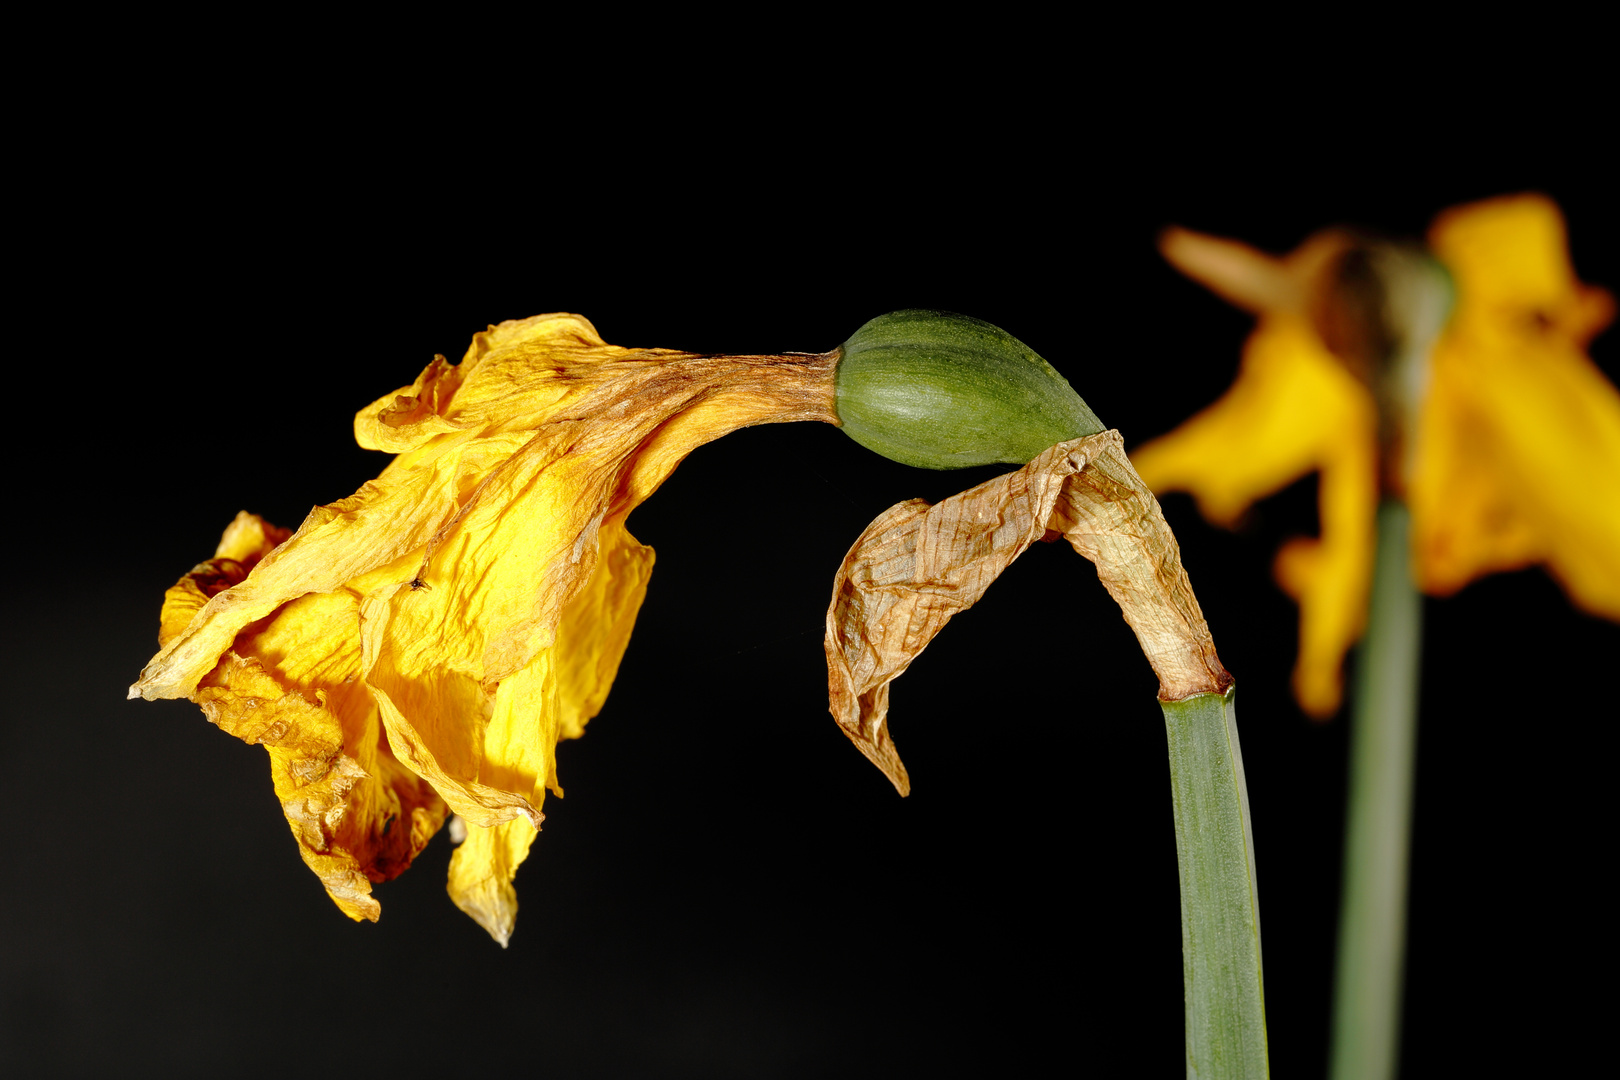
x,y
246,540
1293,410
550,699
1518,459
290,684
1510,259
481,872
409,417
595,628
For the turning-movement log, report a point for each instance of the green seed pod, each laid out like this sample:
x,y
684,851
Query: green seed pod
x,y
944,391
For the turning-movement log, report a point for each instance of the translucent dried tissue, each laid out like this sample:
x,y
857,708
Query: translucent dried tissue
x,y
420,647
917,565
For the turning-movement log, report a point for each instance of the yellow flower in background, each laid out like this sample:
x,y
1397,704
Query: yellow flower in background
x,y
420,647
1514,454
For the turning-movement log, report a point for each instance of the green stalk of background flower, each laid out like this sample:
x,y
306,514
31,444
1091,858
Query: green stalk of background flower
x,y
1220,908
1405,297
1372,918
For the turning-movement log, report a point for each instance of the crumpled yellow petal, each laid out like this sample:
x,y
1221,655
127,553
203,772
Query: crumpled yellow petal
x,y
457,616
289,684
1293,410
549,700
1518,454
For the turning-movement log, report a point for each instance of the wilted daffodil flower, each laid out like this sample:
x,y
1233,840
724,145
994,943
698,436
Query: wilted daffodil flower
x,y
419,648
1509,451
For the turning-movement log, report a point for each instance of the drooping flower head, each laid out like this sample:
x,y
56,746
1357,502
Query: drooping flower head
x,y
419,648
1512,457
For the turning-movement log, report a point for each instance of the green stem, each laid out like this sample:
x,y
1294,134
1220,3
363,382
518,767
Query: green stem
x,y
1220,908
1372,920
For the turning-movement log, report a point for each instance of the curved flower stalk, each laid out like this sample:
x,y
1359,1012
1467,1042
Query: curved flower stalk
x,y
1510,455
420,647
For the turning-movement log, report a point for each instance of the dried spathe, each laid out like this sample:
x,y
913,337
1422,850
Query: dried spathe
x,y
917,565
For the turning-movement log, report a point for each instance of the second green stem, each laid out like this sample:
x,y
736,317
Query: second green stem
x,y
1383,726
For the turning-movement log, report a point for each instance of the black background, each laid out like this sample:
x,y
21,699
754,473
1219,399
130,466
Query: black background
x,y
729,888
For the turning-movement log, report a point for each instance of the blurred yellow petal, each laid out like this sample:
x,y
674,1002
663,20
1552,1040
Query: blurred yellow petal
x,y
1518,459
1293,410
435,634
1249,278
1510,259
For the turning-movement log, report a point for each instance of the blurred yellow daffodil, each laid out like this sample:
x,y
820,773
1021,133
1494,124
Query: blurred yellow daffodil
x,y
420,647
1509,456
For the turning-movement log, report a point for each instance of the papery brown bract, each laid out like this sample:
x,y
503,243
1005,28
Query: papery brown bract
x,y
918,565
